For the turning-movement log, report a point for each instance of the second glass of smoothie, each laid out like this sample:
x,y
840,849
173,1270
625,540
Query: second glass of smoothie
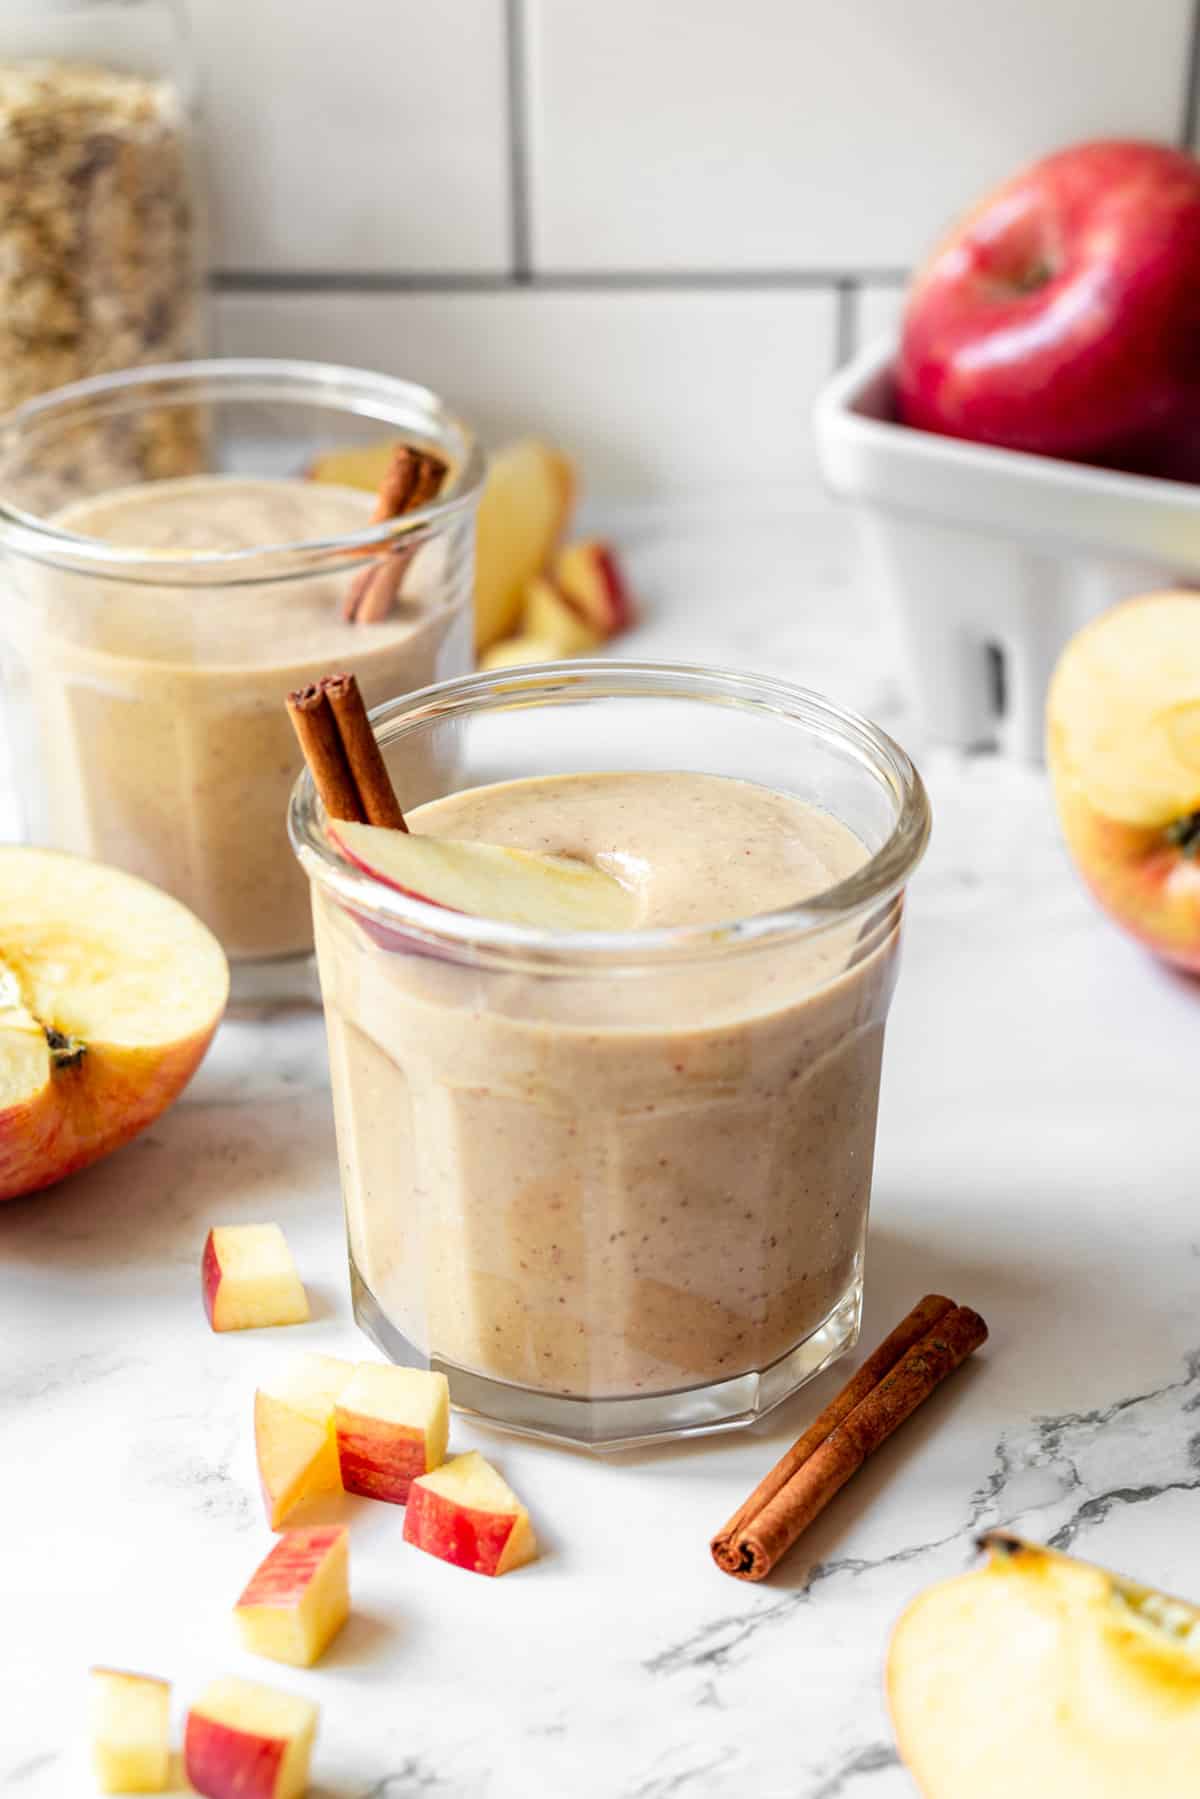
x,y
171,571
616,1186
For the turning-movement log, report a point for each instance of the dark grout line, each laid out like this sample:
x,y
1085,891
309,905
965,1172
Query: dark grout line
x,y
435,281
517,76
845,336
1191,92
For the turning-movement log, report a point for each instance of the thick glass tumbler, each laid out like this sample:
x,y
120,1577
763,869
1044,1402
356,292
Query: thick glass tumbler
x,y
616,1185
159,606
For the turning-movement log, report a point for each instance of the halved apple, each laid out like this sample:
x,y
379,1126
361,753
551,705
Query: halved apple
x,y
248,1278
1042,1675
523,511
466,1514
549,614
1123,746
130,1731
298,1597
110,992
294,1435
245,1741
392,1424
489,880
589,575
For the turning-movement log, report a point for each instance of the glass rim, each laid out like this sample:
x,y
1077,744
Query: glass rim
x,y
209,380
880,879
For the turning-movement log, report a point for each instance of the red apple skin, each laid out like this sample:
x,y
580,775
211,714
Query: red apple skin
x,y
603,600
223,1763
620,603
84,1114
1145,883
457,1533
1062,315
281,1578
210,1277
375,1460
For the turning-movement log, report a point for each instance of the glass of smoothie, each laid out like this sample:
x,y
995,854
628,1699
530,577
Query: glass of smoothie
x,y
615,1184
170,571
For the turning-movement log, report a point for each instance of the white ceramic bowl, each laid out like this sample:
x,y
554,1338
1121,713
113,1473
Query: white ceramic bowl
x,y
991,558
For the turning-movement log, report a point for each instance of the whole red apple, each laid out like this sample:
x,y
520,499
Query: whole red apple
x,y
1062,315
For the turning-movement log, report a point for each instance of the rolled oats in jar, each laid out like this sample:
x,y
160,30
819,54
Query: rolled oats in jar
x,y
100,261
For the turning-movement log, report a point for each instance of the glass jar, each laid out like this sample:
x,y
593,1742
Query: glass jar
x,y
615,1186
151,628
100,245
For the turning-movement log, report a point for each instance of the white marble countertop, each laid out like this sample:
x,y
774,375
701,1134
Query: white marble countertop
x,y
1037,1159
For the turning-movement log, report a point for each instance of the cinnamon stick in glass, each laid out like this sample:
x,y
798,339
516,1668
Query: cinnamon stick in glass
x,y
347,767
935,1338
413,478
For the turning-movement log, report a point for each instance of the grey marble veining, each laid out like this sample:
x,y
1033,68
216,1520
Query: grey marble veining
x,y
1036,1159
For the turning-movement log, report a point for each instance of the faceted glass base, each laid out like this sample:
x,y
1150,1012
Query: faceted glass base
x,y
604,1424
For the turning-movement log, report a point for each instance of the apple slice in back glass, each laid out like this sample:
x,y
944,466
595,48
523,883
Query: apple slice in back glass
x,y
490,880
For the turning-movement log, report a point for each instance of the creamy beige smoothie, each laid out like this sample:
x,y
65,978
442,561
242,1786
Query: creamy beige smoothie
x,y
163,742
626,1185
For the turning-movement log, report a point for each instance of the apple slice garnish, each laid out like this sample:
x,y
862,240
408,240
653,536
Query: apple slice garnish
x,y
110,992
1039,1674
490,880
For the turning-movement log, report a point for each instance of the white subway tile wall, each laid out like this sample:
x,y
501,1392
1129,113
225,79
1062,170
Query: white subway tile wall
x,y
650,391
649,229
352,135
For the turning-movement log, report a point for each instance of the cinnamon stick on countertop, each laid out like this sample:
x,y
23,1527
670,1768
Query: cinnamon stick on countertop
x,y
339,746
935,1338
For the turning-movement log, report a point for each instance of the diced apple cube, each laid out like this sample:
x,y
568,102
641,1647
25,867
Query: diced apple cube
x,y
392,1425
245,1741
249,1278
298,1598
514,652
590,577
130,1731
466,1514
294,1435
549,614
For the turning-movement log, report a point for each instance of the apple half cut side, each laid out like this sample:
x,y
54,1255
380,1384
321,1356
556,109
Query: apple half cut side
x,y
110,992
1040,1674
490,880
1123,748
